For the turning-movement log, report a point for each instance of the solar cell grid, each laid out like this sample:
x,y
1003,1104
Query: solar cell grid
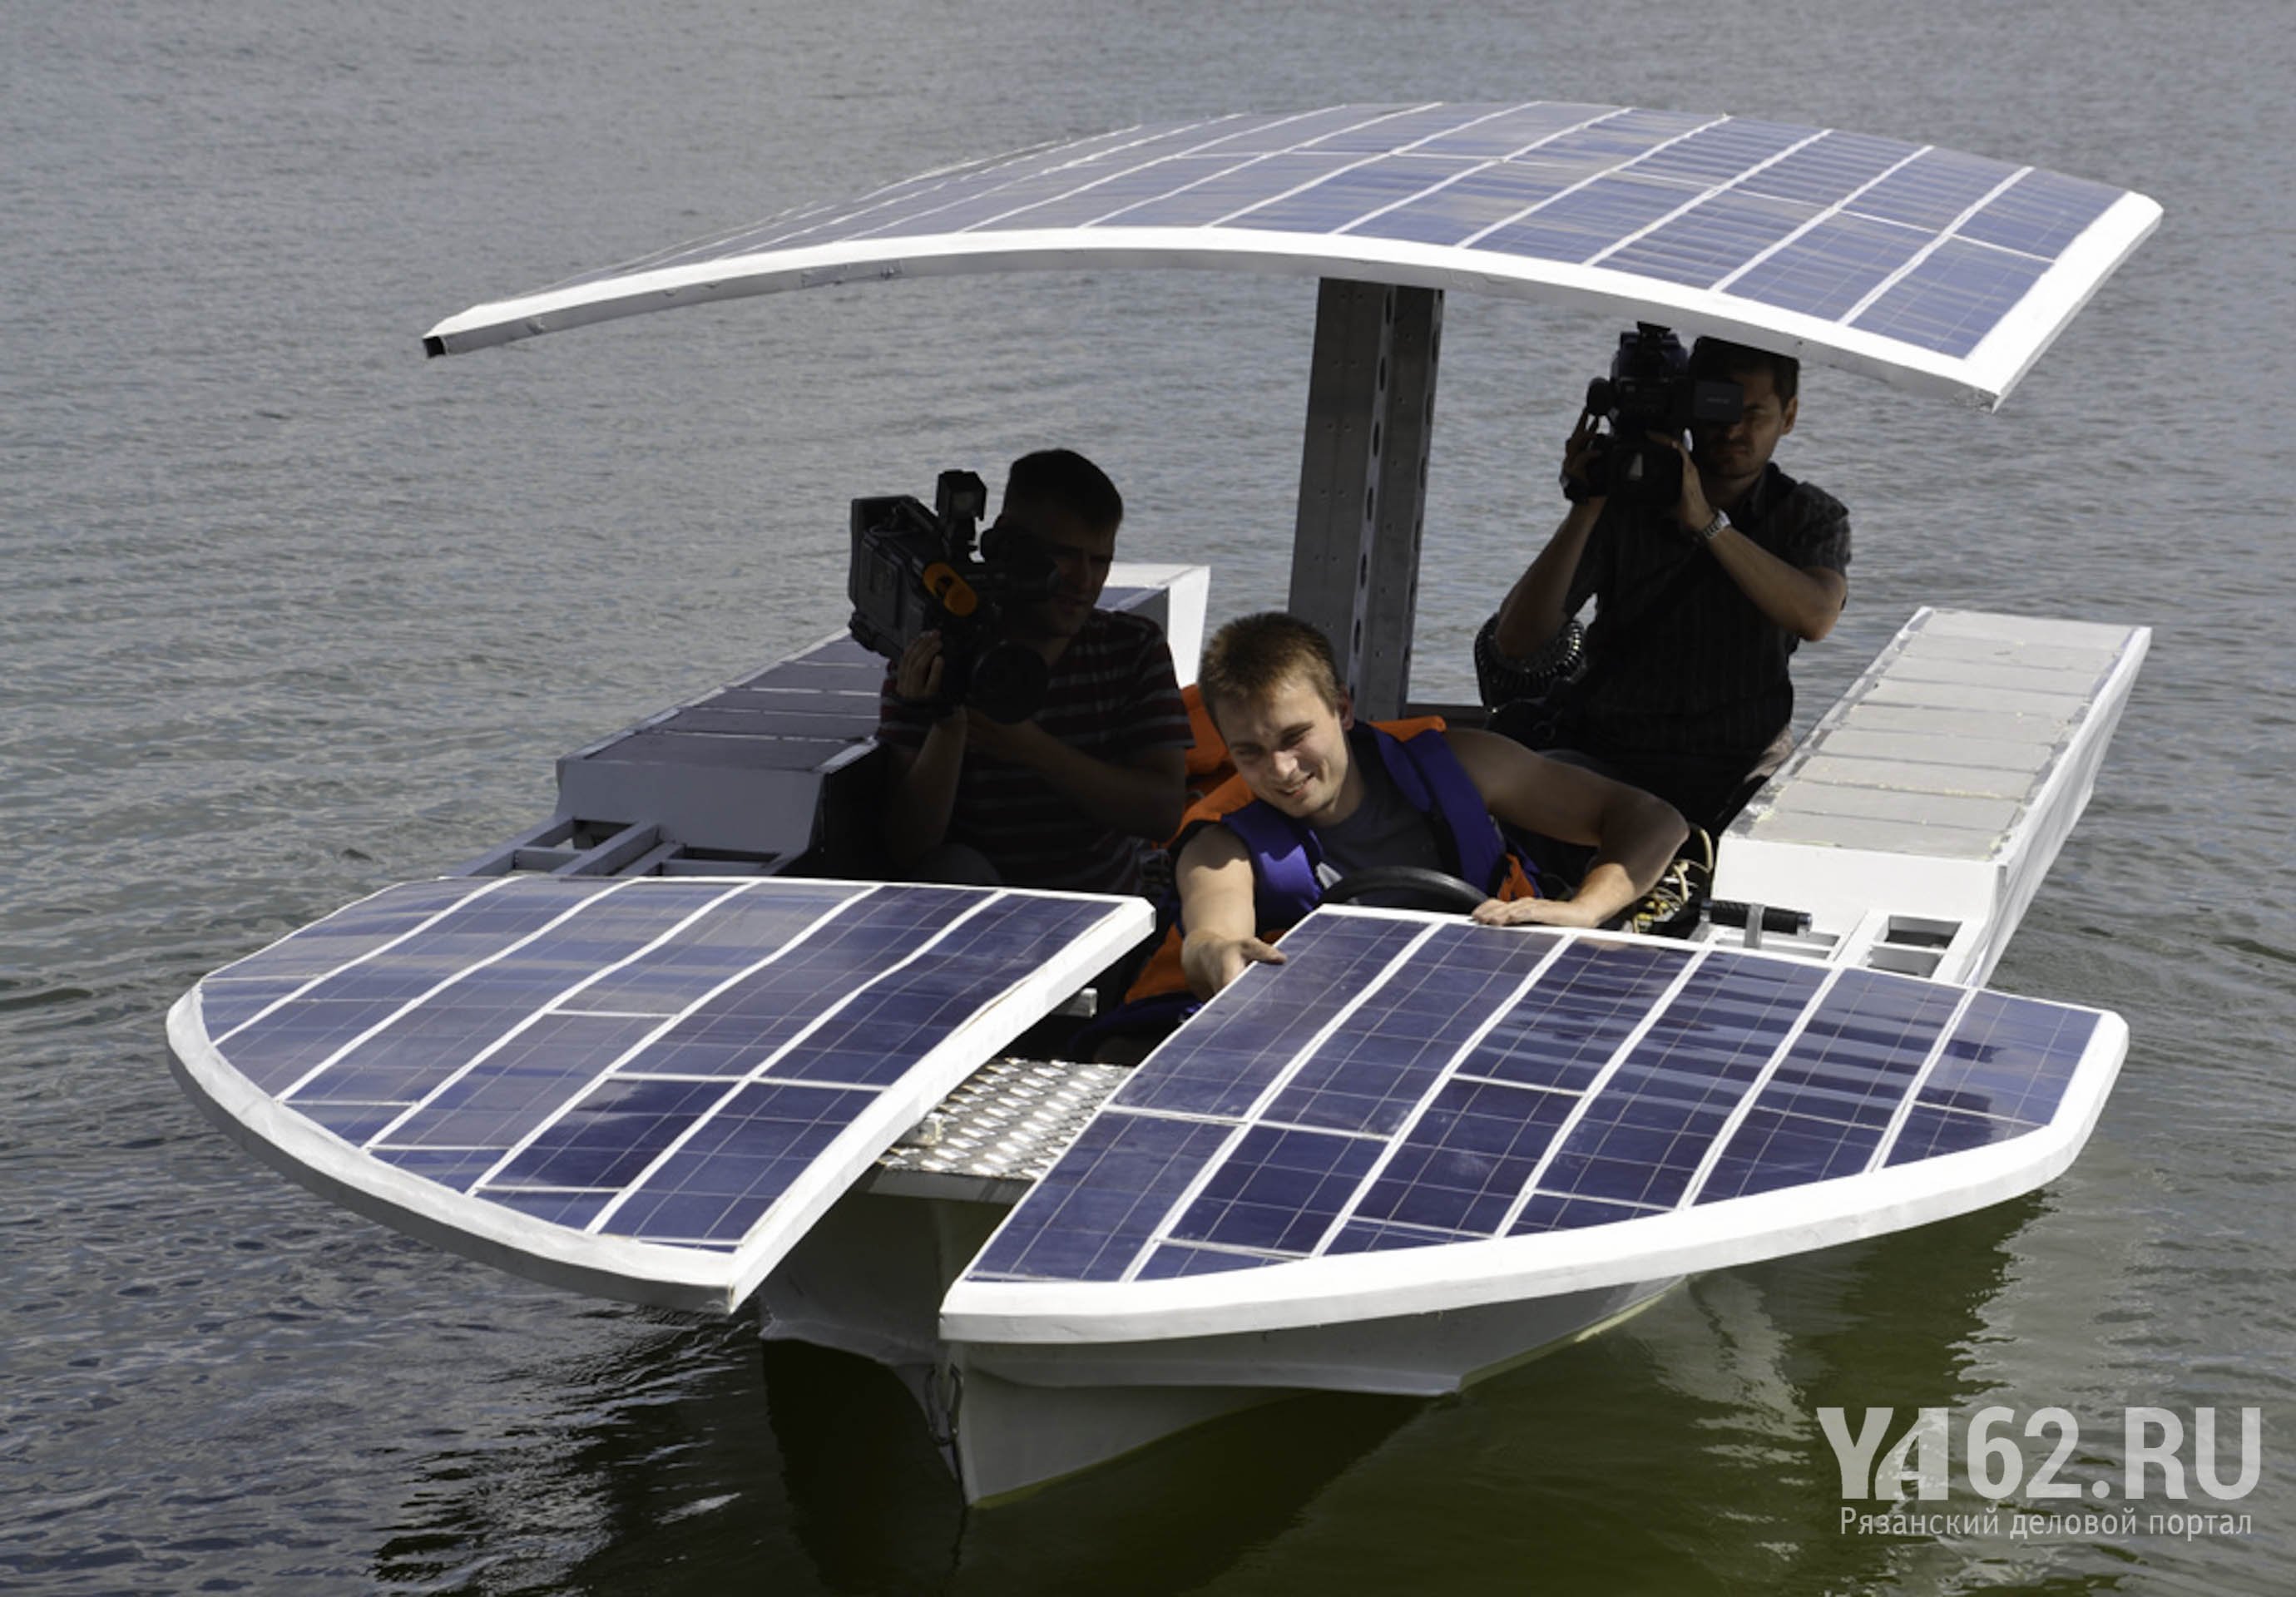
x,y
1932,191
872,1036
573,1210
1222,1062
1726,152
1829,270
1101,197
1089,1217
355,931
1174,1260
788,987
2011,1058
1346,197
732,1167
1406,129
1847,1092
1467,1158
1632,1148
1359,1235
1697,1078
1513,130
1277,1190
1630,133
335,1006
355,1121
1830,169
1773,1148
530,1077
1931,1133
461,1050
1952,300
1709,242
230,1003
1469,206
1268,134
1545,1212
411,1049
1213,196
454,1169
1568,1027
605,1139
1370,1076
1829,1103
1580,223
1453,177
2040,214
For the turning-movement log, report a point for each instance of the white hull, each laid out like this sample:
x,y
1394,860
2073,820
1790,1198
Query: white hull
x,y
869,1279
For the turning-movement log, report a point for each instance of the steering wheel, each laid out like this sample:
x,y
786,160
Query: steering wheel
x,y
1428,888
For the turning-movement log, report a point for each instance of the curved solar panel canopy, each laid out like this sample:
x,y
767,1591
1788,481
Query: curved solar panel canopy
x,y
644,1087
1416,1114
1938,271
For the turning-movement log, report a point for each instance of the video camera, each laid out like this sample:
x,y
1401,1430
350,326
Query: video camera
x,y
914,572
1648,391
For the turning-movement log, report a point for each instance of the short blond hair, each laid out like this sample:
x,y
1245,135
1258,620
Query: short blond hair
x,y
1253,656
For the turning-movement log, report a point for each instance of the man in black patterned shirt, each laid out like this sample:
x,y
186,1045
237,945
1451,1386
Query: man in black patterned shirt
x,y
1699,606
1075,796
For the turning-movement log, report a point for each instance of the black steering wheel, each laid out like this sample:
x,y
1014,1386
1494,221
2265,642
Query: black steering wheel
x,y
1427,888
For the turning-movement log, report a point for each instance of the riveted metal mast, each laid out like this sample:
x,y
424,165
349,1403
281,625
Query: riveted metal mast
x,y
1362,480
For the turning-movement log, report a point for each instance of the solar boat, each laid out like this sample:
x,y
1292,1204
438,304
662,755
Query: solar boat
x,y
678,1043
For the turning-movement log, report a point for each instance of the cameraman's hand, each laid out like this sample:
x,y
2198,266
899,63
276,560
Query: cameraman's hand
x,y
1690,509
1577,454
917,678
1016,741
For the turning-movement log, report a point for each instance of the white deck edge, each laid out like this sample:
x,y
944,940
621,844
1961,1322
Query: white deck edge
x,y
1442,1277
620,1267
1989,895
1983,378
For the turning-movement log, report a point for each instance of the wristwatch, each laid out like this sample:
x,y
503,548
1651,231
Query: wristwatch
x,y
1706,533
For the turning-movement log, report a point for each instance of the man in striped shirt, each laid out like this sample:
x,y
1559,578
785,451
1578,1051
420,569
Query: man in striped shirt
x,y
1700,605
1075,796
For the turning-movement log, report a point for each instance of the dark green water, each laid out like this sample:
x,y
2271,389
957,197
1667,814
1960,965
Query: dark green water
x,y
287,613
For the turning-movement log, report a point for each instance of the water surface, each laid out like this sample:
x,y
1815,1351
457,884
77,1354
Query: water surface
x,y
287,613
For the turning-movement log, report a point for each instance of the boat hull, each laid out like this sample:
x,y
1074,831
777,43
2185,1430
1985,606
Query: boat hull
x,y
1011,1417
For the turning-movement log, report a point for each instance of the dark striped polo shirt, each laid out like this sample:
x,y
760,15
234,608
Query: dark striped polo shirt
x,y
1680,662
1112,695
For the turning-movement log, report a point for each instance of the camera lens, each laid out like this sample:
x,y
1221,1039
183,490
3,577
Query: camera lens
x,y
1008,682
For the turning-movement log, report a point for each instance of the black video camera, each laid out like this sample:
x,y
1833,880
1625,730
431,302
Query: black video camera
x,y
1648,391
914,572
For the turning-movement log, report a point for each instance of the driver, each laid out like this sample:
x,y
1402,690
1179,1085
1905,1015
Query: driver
x,y
1318,796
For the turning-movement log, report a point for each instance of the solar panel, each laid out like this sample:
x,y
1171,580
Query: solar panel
x,y
1943,271
1411,1110
645,1087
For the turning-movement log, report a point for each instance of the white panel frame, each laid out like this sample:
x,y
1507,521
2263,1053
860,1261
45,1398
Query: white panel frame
x,y
1457,1275
620,1267
1983,378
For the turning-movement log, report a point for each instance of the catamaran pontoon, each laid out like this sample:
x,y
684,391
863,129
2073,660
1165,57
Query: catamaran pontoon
x,y
676,1045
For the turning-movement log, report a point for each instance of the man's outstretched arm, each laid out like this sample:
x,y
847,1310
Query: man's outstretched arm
x,y
1634,834
1213,875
